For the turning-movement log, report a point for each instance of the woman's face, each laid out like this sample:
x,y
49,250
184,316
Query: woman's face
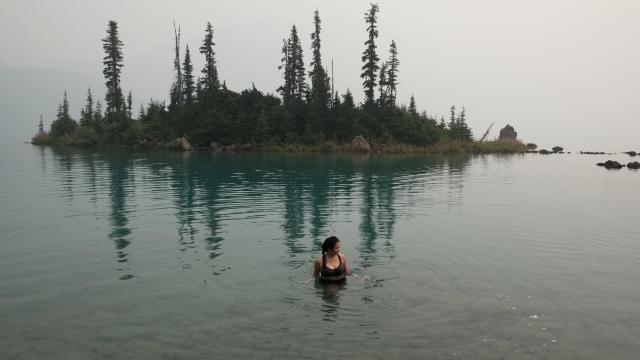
x,y
336,248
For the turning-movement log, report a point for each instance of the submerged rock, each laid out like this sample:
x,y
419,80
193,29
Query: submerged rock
x,y
360,144
545,152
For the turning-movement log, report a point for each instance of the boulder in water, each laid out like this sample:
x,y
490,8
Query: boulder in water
x,y
631,153
611,164
556,149
634,165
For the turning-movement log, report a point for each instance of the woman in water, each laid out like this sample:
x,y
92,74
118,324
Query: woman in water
x,y
332,265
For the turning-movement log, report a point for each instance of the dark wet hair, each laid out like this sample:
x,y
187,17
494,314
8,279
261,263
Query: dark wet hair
x,y
329,243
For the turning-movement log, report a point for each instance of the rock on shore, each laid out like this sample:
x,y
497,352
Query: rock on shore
x,y
508,134
360,144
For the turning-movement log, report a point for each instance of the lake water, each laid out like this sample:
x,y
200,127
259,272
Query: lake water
x,y
125,255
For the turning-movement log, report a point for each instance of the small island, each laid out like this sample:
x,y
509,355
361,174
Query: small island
x,y
309,115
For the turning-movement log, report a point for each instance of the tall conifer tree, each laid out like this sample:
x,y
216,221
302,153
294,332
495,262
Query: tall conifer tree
x,y
392,75
113,63
382,85
286,89
176,92
116,120
295,86
189,84
369,56
209,79
320,93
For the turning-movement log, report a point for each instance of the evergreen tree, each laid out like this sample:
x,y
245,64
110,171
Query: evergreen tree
x,y
347,100
294,87
286,89
209,80
40,126
176,92
112,68
392,75
129,105
369,56
453,128
189,85
297,66
412,106
465,132
97,115
320,92
382,85
86,114
116,120
63,124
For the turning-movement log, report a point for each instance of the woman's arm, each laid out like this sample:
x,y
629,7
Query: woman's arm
x,y
346,266
317,266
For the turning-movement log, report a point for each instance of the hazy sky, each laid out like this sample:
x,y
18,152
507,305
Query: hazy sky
x,y
562,72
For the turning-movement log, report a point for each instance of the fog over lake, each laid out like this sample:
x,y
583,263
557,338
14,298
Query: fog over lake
x,y
561,72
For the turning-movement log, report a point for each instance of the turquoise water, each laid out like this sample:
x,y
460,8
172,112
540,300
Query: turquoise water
x,y
113,254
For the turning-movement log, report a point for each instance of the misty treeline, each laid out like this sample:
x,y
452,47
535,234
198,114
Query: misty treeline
x,y
308,111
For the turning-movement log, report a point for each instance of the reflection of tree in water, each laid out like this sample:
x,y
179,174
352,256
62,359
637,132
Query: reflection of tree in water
x,y
120,187
43,159
91,175
293,213
210,182
320,211
321,201
368,232
316,188
195,190
456,168
377,211
183,186
64,160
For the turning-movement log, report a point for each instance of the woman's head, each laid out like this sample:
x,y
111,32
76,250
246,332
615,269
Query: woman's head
x,y
331,243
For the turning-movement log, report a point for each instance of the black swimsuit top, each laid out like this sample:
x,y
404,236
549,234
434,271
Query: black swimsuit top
x,y
332,274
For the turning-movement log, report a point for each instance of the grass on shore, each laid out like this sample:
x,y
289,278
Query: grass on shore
x,y
442,147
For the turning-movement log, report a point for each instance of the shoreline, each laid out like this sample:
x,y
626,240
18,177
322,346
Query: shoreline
x,y
440,148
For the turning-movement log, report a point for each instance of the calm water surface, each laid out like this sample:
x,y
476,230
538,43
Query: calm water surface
x,y
112,254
